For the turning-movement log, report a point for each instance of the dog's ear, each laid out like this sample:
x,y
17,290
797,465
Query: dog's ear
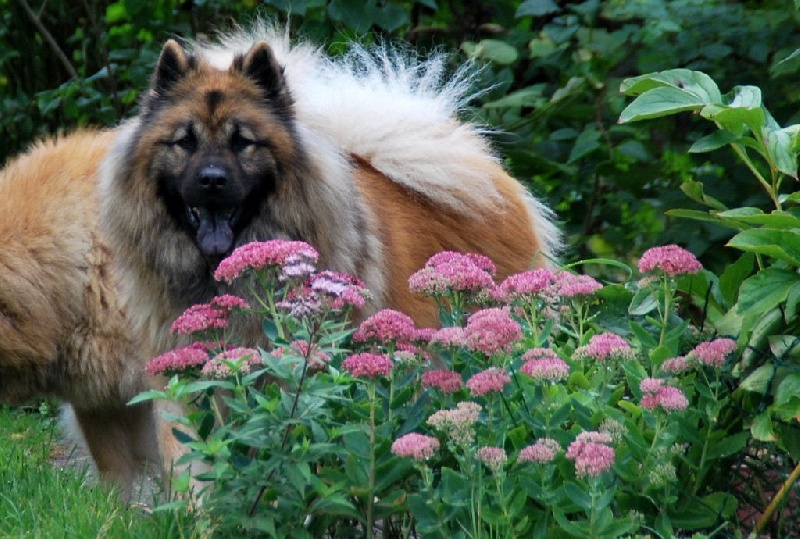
x,y
173,65
261,66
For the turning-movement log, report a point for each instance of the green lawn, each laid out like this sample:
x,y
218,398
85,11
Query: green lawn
x,y
42,501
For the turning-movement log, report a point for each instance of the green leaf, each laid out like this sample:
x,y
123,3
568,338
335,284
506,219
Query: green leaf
x,y
734,275
356,14
390,17
785,346
714,141
694,190
777,243
755,216
116,12
578,495
536,8
496,51
586,143
788,389
758,380
761,428
788,65
766,289
660,102
729,445
780,150
703,512
643,302
532,96
696,83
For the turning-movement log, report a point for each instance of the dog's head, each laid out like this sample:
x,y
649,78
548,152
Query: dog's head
x,y
217,140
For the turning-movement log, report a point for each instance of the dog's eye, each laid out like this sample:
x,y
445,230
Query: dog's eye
x,y
240,141
187,142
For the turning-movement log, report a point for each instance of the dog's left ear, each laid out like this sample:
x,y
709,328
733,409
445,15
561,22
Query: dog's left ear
x,y
261,66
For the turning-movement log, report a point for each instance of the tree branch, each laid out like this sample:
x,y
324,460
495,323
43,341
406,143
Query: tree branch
x,y
49,38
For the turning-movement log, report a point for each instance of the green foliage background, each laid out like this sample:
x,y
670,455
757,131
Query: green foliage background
x,y
553,74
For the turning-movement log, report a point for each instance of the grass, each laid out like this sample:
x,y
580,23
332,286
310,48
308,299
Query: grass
x,y
37,500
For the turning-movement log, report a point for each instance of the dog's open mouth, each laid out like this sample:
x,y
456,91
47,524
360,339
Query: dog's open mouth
x,y
214,227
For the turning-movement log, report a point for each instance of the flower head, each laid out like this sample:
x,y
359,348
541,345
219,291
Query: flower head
x,y
669,259
543,451
492,379
387,326
444,380
547,368
263,254
591,454
180,360
523,287
341,290
675,365
367,365
571,285
198,318
491,331
230,362
657,394
449,337
605,346
493,457
415,446
713,353
449,271
457,424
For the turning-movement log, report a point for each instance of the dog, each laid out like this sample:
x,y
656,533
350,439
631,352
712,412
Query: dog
x,y
257,138
108,236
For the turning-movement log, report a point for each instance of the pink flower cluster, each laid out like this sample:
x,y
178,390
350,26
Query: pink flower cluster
x,y
525,286
201,317
444,380
669,259
341,290
416,446
605,346
492,379
543,451
180,360
675,365
449,337
571,285
493,457
262,254
450,271
491,331
713,353
208,316
368,365
230,362
591,453
385,327
544,364
657,394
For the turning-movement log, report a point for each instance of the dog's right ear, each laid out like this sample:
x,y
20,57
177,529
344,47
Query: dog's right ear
x,y
173,65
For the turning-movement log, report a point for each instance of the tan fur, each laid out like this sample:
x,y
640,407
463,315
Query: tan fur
x,y
412,230
62,330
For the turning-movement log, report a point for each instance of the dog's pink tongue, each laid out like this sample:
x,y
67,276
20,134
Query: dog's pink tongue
x,y
214,236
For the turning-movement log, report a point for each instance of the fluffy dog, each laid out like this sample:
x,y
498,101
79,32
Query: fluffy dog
x,y
251,139
362,157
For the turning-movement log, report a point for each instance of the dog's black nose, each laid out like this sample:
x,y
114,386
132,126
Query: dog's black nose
x,y
212,177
